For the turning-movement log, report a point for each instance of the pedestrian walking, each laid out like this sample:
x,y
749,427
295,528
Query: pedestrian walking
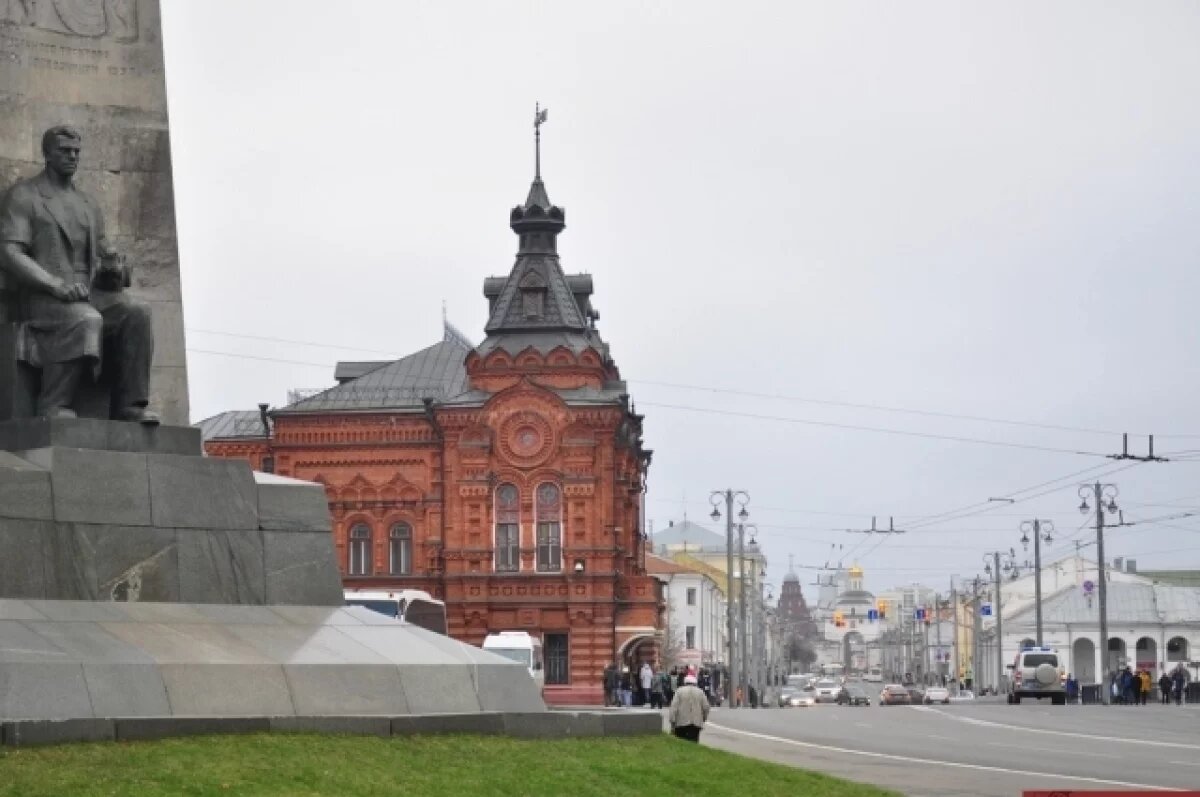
x,y
689,710
1127,687
1179,679
645,681
666,684
611,685
1072,689
656,691
626,688
1164,689
1145,684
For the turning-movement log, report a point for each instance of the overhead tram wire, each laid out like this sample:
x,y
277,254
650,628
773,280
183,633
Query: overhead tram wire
x,y
734,392
876,429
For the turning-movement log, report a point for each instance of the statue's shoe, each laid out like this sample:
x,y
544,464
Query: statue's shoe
x,y
139,415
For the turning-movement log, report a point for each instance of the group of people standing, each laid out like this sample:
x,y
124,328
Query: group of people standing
x,y
1132,688
687,692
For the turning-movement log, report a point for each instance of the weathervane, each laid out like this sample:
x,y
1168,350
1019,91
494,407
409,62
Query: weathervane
x,y
539,118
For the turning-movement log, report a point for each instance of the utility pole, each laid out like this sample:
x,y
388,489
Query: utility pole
x,y
996,571
743,498
744,658
976,633
937,618
1042,530
1100,492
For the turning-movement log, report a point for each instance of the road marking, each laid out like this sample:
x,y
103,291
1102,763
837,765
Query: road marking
x,y
935,736
1024,729
958,764
1186,763
1025,747
863,724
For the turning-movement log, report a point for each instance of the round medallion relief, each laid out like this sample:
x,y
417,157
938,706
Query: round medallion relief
x,y
527,439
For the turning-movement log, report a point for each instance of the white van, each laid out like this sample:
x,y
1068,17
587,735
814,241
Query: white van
x,y
521,647
873,675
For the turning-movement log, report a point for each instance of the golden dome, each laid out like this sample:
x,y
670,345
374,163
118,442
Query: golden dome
x,y
856,571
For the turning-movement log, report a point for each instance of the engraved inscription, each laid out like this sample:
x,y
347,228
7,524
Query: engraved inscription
x,y
93,19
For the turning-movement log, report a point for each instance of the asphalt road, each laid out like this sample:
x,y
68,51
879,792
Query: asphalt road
x,y
985,749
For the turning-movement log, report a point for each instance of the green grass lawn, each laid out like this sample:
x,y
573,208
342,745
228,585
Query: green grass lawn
x,y
308,764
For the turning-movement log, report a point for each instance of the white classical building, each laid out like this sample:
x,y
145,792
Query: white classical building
x,y
1152,625
695,613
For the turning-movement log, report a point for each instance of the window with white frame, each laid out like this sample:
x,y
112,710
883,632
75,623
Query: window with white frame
x,y
508,528
360,550
690,637
400,549
549,528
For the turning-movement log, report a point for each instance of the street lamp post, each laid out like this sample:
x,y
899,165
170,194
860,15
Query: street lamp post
x,y
1042,530
1101,492
1001,562
742,498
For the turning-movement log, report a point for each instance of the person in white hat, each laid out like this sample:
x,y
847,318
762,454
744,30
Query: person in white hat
x,y
689,710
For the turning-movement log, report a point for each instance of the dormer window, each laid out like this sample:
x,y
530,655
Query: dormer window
x,y
533,302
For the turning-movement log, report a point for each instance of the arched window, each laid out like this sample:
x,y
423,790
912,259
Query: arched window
x,y
400,549
549,528
1177,649
360,550
508,528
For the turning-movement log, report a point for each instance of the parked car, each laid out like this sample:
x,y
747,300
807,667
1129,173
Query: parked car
x,y
894,695
962,696
790,696
916,693
826,691
852,694
936,694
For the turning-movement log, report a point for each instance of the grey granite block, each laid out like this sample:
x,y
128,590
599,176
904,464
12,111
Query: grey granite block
x,y
24,489
219,566
507,687
87,642
537,725
19,610
22,558
126,690
101,487
111,563
586,723
202,493
484,723
43,690
294,644
98,435
301,569
361,725
20,643
346,689
141,728
26,733
246,690
290,504
633,723
438,689
212,645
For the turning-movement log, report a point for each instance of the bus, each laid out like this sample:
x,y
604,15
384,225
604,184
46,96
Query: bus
x,y
410,605
521,647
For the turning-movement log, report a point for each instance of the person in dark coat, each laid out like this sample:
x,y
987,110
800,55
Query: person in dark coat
x,y
1164,689
611,683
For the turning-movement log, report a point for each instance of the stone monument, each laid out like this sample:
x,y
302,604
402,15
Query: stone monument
x,y
146,589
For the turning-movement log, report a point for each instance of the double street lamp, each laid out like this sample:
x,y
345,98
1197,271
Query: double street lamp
x,y
998,564
1105,496
1042,531
729,497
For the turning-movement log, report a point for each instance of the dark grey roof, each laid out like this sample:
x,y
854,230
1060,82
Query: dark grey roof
x,y
610,394
559,310
345,371
436,372
231,425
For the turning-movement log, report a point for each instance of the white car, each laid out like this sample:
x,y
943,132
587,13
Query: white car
x,y
962,696
1037,672
937,694
826,691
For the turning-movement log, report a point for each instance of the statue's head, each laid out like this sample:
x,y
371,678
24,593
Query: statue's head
x,y
60,147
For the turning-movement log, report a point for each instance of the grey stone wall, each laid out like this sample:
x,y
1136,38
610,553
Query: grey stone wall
x,y
98,65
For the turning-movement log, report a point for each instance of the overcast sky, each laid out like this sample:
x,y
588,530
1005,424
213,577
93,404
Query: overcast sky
x,y
982,210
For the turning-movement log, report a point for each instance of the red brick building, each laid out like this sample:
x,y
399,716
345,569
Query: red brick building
x,y
505,478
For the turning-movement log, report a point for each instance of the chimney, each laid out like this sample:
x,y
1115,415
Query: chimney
x,y
1131,565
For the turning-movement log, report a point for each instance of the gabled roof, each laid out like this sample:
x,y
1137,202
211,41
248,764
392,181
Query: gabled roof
x,y
559,311
1132,603
436,372
231,425
656,565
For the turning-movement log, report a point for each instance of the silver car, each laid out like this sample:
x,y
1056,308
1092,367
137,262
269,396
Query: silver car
x,y
826,691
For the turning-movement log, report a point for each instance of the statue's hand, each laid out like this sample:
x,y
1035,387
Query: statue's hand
x,y
70,291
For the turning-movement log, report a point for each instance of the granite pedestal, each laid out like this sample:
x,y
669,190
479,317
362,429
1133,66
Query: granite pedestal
x,y
139,579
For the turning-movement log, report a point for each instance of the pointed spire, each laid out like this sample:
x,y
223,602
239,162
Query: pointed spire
x,y
537,191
